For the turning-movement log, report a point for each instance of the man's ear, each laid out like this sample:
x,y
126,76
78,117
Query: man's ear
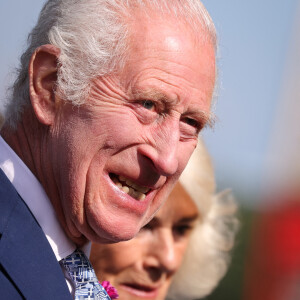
x,y
42,80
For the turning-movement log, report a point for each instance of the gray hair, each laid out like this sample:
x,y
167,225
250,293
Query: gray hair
x,y
92,36
208,254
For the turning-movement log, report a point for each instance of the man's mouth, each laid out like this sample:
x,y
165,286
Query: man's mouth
x,y
129,187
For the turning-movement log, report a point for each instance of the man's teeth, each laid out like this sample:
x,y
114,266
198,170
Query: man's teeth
x,y
130,188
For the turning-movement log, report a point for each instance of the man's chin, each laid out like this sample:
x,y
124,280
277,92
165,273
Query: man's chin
x,y
103,236
113,237
79,241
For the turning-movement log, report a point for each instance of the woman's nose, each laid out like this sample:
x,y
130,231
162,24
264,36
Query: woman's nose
x,y
162,254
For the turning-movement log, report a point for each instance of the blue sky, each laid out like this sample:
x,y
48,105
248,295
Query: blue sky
x,y
254,38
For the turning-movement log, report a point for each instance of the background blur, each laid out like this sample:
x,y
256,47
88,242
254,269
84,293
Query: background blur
x,y
254,143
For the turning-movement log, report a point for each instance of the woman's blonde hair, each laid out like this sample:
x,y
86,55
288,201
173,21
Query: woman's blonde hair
x,y
208,254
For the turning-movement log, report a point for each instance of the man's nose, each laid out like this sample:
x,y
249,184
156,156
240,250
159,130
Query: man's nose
x,y
164,149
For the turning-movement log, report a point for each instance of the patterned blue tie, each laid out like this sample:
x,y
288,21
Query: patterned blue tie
x,y
83,274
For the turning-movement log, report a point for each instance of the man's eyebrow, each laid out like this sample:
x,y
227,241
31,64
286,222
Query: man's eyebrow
x,y
154,94
207,119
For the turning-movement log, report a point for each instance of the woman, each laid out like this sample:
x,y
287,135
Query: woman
x,y
184,250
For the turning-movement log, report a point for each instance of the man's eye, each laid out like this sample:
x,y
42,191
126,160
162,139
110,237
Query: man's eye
x,y
192,122
148,104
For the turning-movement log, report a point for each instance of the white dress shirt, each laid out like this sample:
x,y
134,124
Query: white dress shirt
x,y
33,194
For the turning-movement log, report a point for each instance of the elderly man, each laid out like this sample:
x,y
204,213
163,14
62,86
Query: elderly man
x,y
103,117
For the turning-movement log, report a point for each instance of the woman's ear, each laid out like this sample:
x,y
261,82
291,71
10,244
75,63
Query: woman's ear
x,y
42,81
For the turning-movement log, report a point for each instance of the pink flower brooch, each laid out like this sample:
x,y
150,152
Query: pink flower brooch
x,y
111,291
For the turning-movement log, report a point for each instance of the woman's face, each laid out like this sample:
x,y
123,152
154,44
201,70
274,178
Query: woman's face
x,y
143,267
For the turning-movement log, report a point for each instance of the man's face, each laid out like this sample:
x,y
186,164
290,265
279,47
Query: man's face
x,y
119,155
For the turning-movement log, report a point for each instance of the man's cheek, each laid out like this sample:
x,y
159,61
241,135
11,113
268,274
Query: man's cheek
x,y
126,131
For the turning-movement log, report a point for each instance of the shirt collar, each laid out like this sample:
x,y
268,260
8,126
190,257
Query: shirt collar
x,y
33,194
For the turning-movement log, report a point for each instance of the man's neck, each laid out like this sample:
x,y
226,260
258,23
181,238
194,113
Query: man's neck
x,y
24,140
30,142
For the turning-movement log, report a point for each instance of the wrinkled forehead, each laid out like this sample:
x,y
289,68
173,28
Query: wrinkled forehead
x,y
141,21
166,35
192,13
166,61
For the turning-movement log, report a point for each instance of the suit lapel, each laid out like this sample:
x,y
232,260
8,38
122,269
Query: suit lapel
x,y
25,253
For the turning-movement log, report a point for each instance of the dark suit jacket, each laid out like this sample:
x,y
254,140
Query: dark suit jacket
x,y
28,267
